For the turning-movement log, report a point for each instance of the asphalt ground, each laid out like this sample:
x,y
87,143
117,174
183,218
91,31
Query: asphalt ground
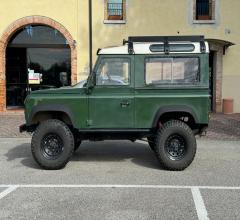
x,y
120,180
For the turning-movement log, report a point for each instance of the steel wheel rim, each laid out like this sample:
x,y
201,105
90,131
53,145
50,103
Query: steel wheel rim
x,y
175,147
52,146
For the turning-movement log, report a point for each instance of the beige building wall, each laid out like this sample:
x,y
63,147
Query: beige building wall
x,y
152,17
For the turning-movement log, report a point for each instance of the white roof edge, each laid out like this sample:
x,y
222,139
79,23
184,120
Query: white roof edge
x,y
144,48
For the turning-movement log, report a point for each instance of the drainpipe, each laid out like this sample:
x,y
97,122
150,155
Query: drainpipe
x,y
90,35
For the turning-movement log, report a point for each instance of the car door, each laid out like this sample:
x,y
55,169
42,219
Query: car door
x,y
111,101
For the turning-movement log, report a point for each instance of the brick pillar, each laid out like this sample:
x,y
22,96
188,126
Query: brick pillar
x,y
2,78
2,96
218,72
219,67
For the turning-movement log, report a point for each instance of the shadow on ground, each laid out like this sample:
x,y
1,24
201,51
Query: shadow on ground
x,y
22,151
107,151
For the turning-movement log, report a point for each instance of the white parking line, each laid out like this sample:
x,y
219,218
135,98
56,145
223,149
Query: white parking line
x,y
198,200
7,191
119,186
199,204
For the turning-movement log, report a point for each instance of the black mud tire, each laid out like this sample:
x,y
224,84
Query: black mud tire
x,y
186,150
63,142
152,143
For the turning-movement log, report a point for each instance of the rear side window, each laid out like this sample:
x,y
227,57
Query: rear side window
x,y
177,70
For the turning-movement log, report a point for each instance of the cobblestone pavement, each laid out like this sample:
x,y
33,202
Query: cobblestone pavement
x,y
221,127
224,127
9,125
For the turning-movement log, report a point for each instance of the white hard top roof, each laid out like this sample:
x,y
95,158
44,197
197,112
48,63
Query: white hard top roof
x,y
144,48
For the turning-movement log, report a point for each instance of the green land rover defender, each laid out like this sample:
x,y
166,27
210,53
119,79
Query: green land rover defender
x,y
153,88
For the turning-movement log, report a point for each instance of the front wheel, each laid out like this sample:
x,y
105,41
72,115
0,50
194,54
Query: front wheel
x,y
52,144
175,145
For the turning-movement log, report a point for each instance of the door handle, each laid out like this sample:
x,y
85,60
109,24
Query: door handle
x,y
125,104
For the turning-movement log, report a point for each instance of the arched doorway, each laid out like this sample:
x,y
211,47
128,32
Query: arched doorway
x,y
37,57
11,31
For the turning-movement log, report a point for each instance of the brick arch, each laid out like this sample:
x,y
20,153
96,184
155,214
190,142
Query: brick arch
x,y
15,26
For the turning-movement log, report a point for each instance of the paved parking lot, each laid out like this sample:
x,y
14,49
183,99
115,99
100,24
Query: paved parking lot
x,y
120,180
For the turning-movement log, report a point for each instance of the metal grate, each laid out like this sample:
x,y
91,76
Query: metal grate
x,y
203,9
115,10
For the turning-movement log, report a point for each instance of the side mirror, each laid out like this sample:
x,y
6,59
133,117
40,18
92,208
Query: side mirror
x,y
90,83
89,87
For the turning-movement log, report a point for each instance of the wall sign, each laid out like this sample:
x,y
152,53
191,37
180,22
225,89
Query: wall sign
x,y
33,78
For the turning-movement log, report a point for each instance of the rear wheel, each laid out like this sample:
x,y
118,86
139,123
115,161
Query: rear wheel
x,y
175,145
52,144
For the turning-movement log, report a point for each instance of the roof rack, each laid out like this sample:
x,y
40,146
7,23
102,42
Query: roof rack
x,y
165,40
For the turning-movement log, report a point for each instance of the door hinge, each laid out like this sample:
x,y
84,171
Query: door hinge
x,y
89,122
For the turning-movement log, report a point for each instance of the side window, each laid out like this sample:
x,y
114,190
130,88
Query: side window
x,y
172,70
204,10
113,71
